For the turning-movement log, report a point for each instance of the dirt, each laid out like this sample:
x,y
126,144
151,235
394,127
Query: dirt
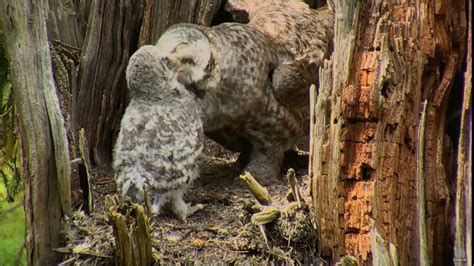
x,y
222,232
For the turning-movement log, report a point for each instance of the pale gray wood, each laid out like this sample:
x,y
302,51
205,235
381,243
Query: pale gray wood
x,y
45,149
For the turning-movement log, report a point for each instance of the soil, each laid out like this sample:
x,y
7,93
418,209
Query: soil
x,y
221,232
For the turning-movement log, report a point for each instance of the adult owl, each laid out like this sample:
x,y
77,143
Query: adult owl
x,y
229,67
253,79
160,137
303,37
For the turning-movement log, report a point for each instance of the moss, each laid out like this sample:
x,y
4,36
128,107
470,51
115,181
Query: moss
x,y
347,261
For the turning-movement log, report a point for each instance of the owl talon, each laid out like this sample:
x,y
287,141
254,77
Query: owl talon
x,y
193,209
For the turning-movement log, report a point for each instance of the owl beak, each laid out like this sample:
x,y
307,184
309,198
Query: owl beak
x,y
194,90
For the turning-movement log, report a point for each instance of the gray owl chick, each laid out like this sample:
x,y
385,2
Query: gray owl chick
x,y
160,137
229,67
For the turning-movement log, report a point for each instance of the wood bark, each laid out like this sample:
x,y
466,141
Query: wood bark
x,y
159,15
131,231
68,61
463,201
379,179
111,37
45,152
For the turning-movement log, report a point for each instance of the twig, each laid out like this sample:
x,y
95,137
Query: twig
x,y
85,161
81,252
260,192
293,183
422,239
103,181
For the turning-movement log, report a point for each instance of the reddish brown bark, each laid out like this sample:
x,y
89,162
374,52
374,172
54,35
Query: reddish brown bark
x,y
376,160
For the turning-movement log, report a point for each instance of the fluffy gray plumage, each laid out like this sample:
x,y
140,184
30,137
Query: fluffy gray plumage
x,y
160,137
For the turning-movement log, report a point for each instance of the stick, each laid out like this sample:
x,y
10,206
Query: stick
x,y
260,192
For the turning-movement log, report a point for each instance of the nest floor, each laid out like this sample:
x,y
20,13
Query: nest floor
x,y
223,231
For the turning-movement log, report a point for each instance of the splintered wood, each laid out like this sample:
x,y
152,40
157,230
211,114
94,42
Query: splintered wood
x,y
364,134
131,232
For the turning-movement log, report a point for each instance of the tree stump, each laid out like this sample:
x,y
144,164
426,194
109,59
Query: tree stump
x,y
131,231
380,181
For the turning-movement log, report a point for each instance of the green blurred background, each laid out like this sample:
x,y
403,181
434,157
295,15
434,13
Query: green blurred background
x,y
12,230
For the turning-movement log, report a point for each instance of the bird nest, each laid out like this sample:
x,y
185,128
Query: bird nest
x,y
233,227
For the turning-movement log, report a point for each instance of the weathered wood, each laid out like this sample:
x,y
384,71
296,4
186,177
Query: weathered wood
x,y
260,192
86,181
365,145
43,137
64,22
325,156
111,37
67,27
463,201
159,15
132,233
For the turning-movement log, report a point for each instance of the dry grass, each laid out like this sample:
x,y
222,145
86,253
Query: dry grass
x,y
222,232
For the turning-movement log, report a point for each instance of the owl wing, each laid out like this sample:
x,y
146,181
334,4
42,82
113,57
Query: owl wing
x,y
303,37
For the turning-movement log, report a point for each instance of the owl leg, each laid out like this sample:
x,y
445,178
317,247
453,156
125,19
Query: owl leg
x,y
181,209
276,131
264,167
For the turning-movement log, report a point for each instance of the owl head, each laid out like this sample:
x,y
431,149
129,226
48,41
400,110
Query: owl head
x,y
148,75
180,60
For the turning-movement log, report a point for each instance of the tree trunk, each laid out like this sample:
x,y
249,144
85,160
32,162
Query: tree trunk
x,y
463,202
114,30
68,62
43,136
380,181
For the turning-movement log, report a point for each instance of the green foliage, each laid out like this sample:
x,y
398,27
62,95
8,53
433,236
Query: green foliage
x,y
10,174
12,215
12,231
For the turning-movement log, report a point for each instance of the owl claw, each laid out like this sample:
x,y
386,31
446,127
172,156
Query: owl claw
x,y
194,209
191,210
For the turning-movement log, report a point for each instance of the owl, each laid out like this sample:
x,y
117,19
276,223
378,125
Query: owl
x,y
160,137
229,68
303,37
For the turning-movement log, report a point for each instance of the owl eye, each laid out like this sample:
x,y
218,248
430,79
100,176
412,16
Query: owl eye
x,y
187,60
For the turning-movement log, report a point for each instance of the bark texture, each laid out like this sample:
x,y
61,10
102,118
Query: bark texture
x,y
379,177
110,38
159,15
43,136
115,29
68,60
463,201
